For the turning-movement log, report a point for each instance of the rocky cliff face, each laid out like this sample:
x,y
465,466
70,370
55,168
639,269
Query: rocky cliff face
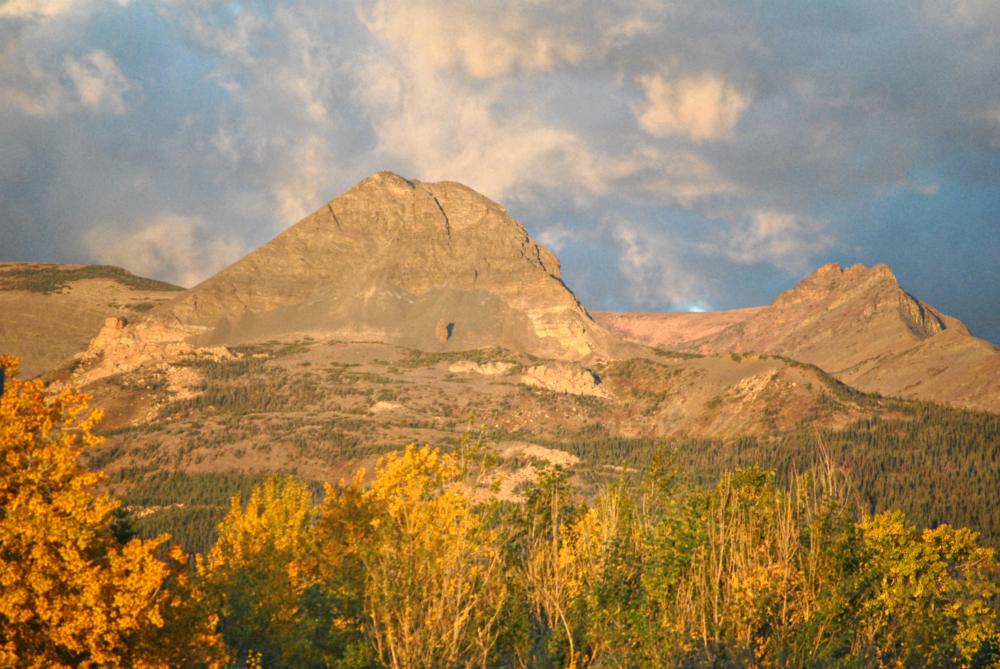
x,y
855,323
431,266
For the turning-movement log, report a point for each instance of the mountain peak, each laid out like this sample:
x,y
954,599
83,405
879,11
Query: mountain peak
x,y
855,274
857,323
833,284
385,179
400,261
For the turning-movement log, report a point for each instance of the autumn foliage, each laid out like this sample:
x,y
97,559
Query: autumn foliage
x,y
70,593
413,567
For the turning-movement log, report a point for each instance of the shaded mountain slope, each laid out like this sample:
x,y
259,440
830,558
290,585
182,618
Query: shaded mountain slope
x,y
857,324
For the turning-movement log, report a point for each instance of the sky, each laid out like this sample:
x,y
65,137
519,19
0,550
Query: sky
x,y
676,155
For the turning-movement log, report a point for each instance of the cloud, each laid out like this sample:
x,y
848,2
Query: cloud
x,y
674,175
439,129
490,39
35,9
731,143
922,187
781,238
657,268
701,107
435,125
487,40
965,15
667,265
554,236
99,84
288,133
172,247
300,192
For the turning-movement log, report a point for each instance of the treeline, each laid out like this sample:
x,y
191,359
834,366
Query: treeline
x,y
409,571
937,465
188,507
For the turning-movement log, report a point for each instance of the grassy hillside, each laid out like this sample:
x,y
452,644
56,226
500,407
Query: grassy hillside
x,y
54,278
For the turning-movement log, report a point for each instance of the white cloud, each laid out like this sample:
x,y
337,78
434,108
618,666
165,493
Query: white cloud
x,y
27,84
664,269
438,126
922,187
489,39
700,107
286,77
42,98
657,267
677,176
442,130
300,192
964,15
555,236
470,40
165,246
35,9
567,111
36,87
441,127
287,82
780,238
99,84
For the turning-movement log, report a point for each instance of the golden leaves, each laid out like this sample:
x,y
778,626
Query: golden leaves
x,y
434,585
68,592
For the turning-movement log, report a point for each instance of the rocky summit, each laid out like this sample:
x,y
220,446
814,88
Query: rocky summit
x,y
434,266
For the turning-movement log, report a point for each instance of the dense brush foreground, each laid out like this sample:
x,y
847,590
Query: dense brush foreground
x,y
417,565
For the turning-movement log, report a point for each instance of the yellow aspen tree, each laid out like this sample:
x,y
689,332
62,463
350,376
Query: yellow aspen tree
x,y
434,582
550,565
931,596
69,594
257,577
345,535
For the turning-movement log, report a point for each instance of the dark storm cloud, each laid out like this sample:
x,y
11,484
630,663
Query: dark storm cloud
x,y
677,155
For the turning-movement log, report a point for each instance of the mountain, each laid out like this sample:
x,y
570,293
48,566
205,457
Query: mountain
x,y
51,311
434,266
856,323
441,270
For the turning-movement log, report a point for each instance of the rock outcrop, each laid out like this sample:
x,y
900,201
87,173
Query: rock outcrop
x,y
120,348
564,378
495,368
51,312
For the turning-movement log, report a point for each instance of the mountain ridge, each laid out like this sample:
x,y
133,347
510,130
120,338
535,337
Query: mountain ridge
x,y
440,268
856,323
